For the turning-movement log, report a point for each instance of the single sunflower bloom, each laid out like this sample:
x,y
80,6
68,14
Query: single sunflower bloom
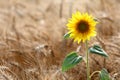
x,y
81,27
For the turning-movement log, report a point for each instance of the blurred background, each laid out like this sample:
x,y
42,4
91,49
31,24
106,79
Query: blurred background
x,y
32,45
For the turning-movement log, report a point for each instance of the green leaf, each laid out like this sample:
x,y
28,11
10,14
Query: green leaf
x,y
70,61
67,35
104,75
98,50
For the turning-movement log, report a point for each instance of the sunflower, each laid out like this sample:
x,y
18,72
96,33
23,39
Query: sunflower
x,y
81,27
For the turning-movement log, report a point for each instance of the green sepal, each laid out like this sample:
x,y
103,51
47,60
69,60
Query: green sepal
x,y
95,19
70,61
67,35
104,75
96,49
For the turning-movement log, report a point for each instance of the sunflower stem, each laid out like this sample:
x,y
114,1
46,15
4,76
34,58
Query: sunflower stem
x,y
87,60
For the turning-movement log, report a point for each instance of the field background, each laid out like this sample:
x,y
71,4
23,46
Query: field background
x,y
32,45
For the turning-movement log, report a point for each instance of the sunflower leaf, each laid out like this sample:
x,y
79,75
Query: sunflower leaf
x,y
70,61
98,50
104,75
67,35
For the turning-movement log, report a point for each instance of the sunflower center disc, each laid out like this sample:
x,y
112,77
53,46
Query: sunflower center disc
x,y
83,27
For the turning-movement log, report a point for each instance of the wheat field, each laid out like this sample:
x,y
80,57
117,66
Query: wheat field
x,y
32,45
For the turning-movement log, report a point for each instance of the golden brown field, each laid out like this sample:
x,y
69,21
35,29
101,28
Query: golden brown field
x,y
32,45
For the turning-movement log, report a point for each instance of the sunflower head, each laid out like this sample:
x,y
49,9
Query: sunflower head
x,y
81,27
